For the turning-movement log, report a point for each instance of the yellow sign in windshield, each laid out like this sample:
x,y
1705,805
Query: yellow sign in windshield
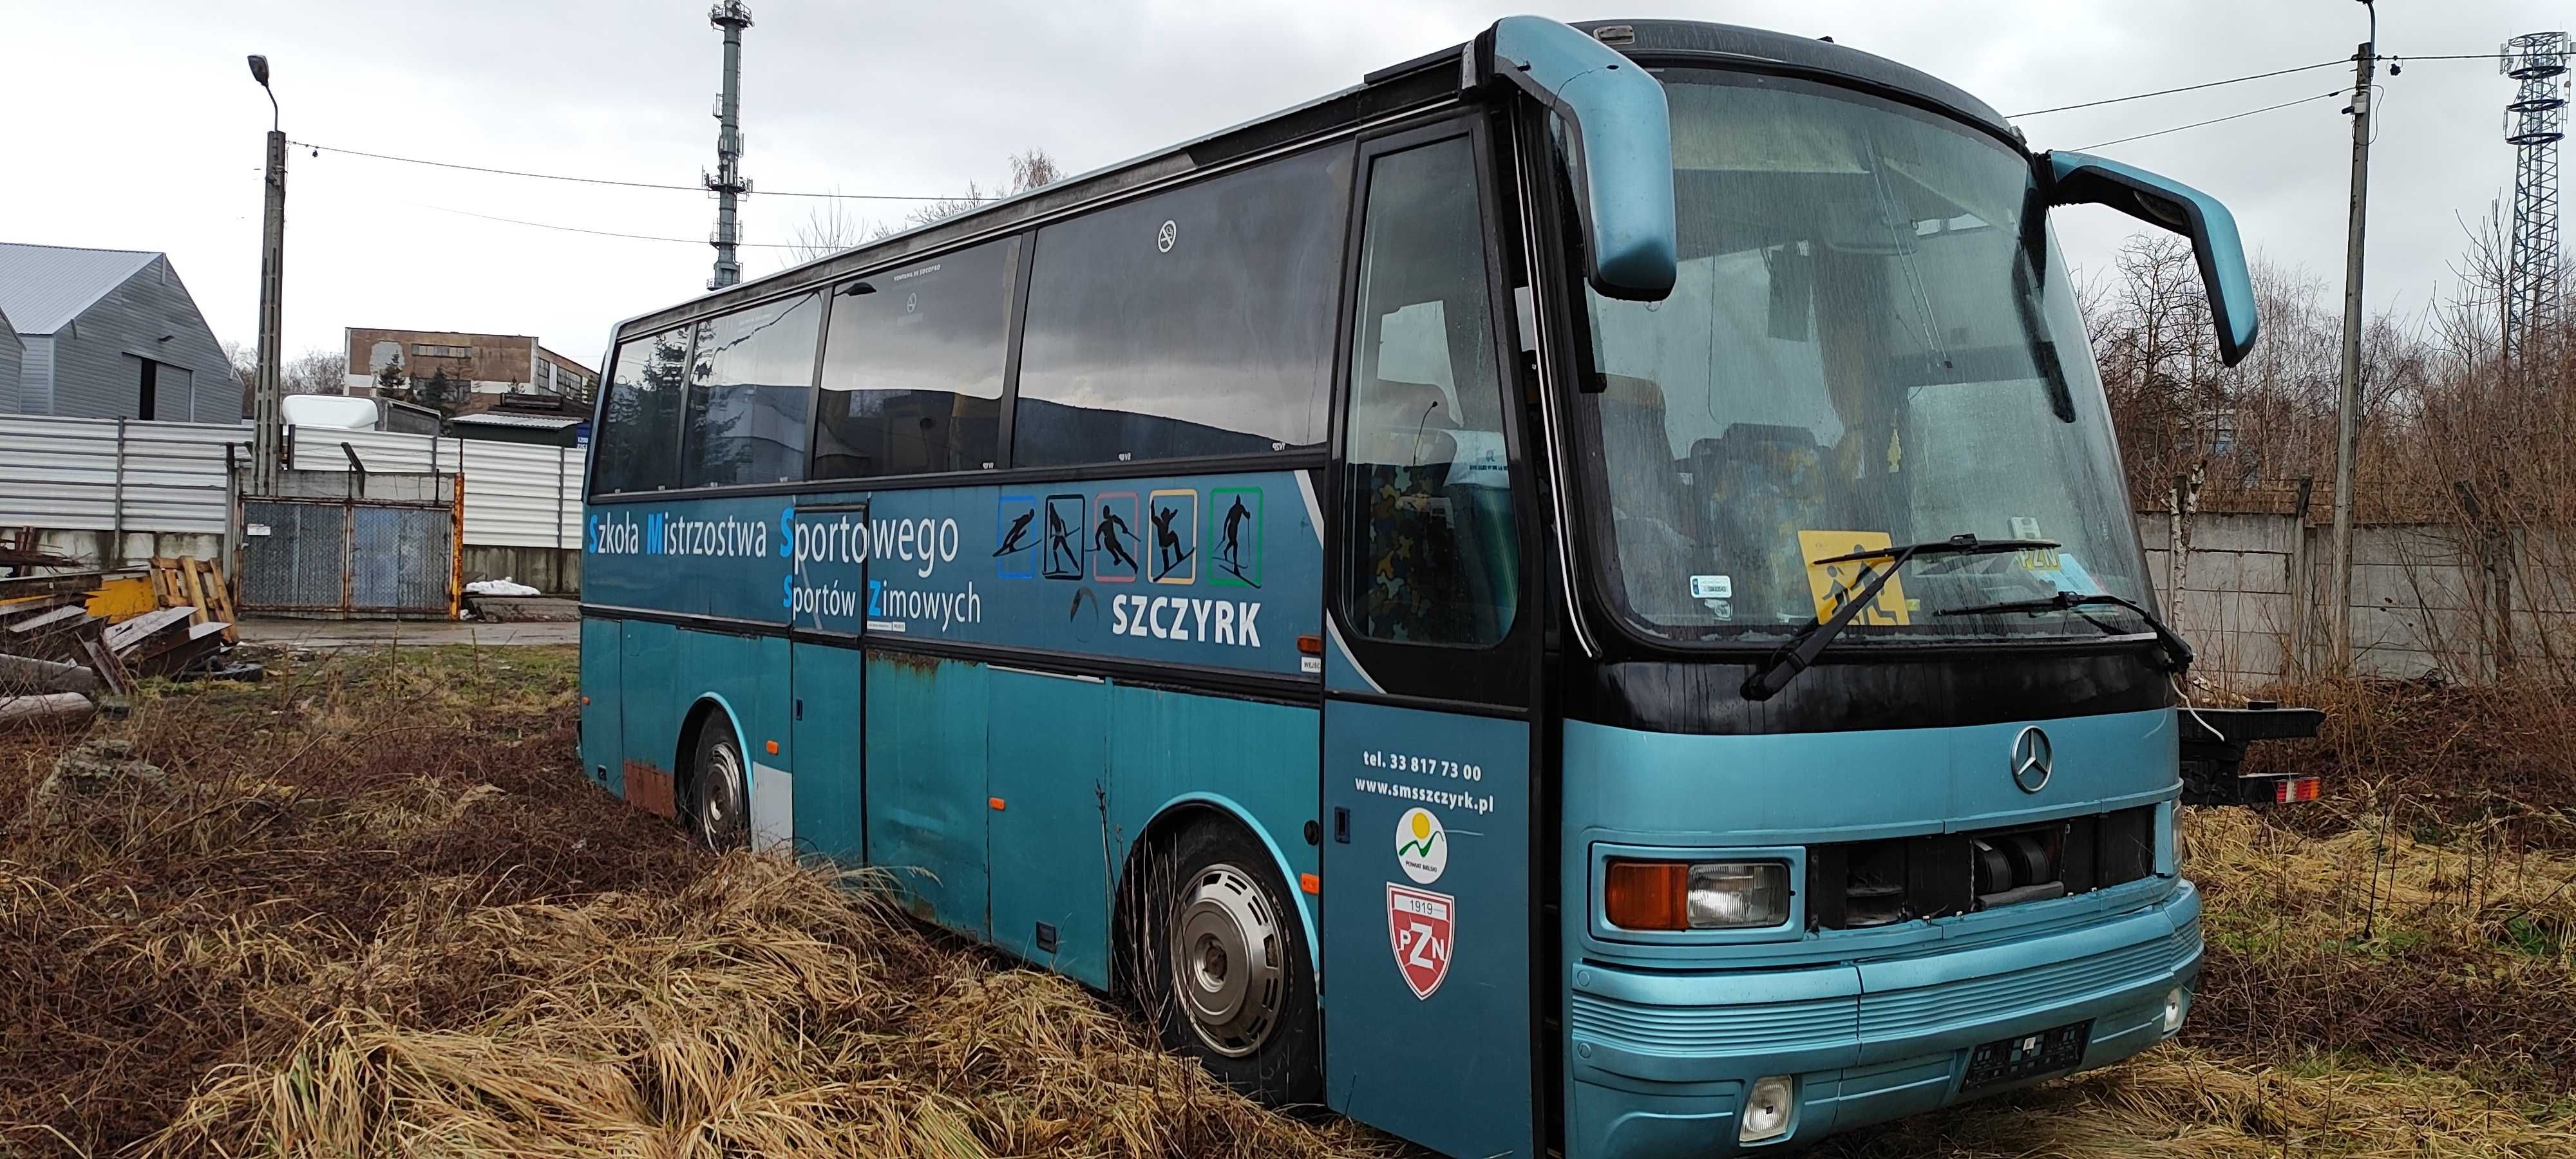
x,y
1831,583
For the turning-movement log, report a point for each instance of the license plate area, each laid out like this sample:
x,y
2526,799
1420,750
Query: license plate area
x,y
2023,1056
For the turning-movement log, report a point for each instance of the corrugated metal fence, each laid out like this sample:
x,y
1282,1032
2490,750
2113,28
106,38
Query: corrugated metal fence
x,y
114,475
79,474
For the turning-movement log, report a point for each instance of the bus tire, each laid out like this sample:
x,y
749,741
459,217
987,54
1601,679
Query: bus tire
x,y
718,805
1226,976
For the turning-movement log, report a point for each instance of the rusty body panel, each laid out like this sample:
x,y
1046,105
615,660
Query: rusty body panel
x,y
651,789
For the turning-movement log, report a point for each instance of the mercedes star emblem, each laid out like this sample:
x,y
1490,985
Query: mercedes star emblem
x,y
2032,760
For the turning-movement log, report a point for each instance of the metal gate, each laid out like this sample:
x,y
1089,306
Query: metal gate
x,y
355,543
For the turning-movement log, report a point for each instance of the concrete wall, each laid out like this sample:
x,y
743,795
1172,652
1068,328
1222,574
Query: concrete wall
x,y
2249,592
556,572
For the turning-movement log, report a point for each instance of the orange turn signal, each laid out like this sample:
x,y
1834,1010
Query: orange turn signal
x,y
1310,645
995,802
773,748
1647,895
1310,883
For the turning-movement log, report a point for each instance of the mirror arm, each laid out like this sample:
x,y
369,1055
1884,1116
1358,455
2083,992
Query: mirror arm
x,y
2079,178
1620,133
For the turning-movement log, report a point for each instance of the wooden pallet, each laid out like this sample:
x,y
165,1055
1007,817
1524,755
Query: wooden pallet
x,y
197,584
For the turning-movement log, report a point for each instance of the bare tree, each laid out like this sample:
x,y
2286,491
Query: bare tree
x,y
318,371
831,228
244,360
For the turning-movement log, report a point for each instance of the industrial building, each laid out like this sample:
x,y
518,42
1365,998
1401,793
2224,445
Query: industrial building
x,y
93,333
476,363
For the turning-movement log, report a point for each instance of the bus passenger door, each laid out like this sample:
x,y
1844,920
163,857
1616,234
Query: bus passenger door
x,y
1429,914
828,690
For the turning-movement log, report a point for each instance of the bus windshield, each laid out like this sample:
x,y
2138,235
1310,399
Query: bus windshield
x,y
1871,342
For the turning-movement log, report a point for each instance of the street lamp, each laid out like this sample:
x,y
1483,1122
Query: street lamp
x,y
268,433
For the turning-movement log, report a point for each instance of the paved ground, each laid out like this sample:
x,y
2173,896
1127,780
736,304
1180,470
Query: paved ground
x,y
325,634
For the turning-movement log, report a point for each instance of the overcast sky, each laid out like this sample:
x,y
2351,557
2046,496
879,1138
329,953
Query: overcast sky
x,y
140,128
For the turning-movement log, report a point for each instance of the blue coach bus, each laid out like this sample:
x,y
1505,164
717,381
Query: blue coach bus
x,y
1575,596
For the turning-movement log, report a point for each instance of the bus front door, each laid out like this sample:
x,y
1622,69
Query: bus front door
x,y
1429,916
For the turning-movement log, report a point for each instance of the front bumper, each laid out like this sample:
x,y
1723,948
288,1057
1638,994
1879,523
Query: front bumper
x,y
1657,1062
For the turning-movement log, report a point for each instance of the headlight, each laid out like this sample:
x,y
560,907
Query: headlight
x,y
2173,1010
1709,895
1738,894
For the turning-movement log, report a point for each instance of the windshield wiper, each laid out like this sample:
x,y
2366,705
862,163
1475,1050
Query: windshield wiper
x,y
2177,652
1777,670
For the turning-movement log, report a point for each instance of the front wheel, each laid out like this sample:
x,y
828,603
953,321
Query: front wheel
x,y
1227,975
719,803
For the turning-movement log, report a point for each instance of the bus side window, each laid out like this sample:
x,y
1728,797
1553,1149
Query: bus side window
x,y
751,378
1194,322
1434,557
912,367
642,419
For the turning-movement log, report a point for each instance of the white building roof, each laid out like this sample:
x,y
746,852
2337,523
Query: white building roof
x,y
44,287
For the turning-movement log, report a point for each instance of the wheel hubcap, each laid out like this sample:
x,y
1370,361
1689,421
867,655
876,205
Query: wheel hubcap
x,y
1229,960
720,804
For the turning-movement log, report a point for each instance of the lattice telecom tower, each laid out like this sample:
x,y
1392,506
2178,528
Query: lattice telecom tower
x,y
729,17
2534,122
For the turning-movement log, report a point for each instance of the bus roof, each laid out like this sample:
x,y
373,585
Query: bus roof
x,y
1415,84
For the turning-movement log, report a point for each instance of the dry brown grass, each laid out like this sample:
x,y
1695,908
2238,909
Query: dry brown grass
x,y
2194,1104
373,911
762,1009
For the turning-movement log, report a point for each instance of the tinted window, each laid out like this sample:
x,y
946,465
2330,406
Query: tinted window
x,y
1434,553
641,430
1195,322
749,384
912,368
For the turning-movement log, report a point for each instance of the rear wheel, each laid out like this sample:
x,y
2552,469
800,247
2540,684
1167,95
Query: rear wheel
x,y
1224,964
719,800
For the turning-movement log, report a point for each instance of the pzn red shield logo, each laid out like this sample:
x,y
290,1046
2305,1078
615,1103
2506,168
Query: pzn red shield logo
x,y
1421,924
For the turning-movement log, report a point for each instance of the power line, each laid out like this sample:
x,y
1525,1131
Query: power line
x,y
2211,121
2184,89
627,184
2247,77
602,232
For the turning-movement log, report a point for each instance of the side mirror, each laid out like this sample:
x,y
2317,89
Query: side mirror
x,y
1621,135
2079,178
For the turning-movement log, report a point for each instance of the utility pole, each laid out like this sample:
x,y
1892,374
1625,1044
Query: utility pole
x,y
268,433
2348,413
730,17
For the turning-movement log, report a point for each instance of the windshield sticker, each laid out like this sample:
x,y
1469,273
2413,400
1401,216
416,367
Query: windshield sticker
x,y
1831,583
2063,573
1712,587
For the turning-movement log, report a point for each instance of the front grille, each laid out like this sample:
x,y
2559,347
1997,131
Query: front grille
x,y
1860,884
1972,1000
1704,1030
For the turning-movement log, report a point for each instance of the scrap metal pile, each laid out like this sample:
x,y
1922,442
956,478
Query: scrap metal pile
x,y
69,642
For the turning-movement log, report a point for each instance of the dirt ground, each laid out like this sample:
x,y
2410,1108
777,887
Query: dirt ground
x,y
368,907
